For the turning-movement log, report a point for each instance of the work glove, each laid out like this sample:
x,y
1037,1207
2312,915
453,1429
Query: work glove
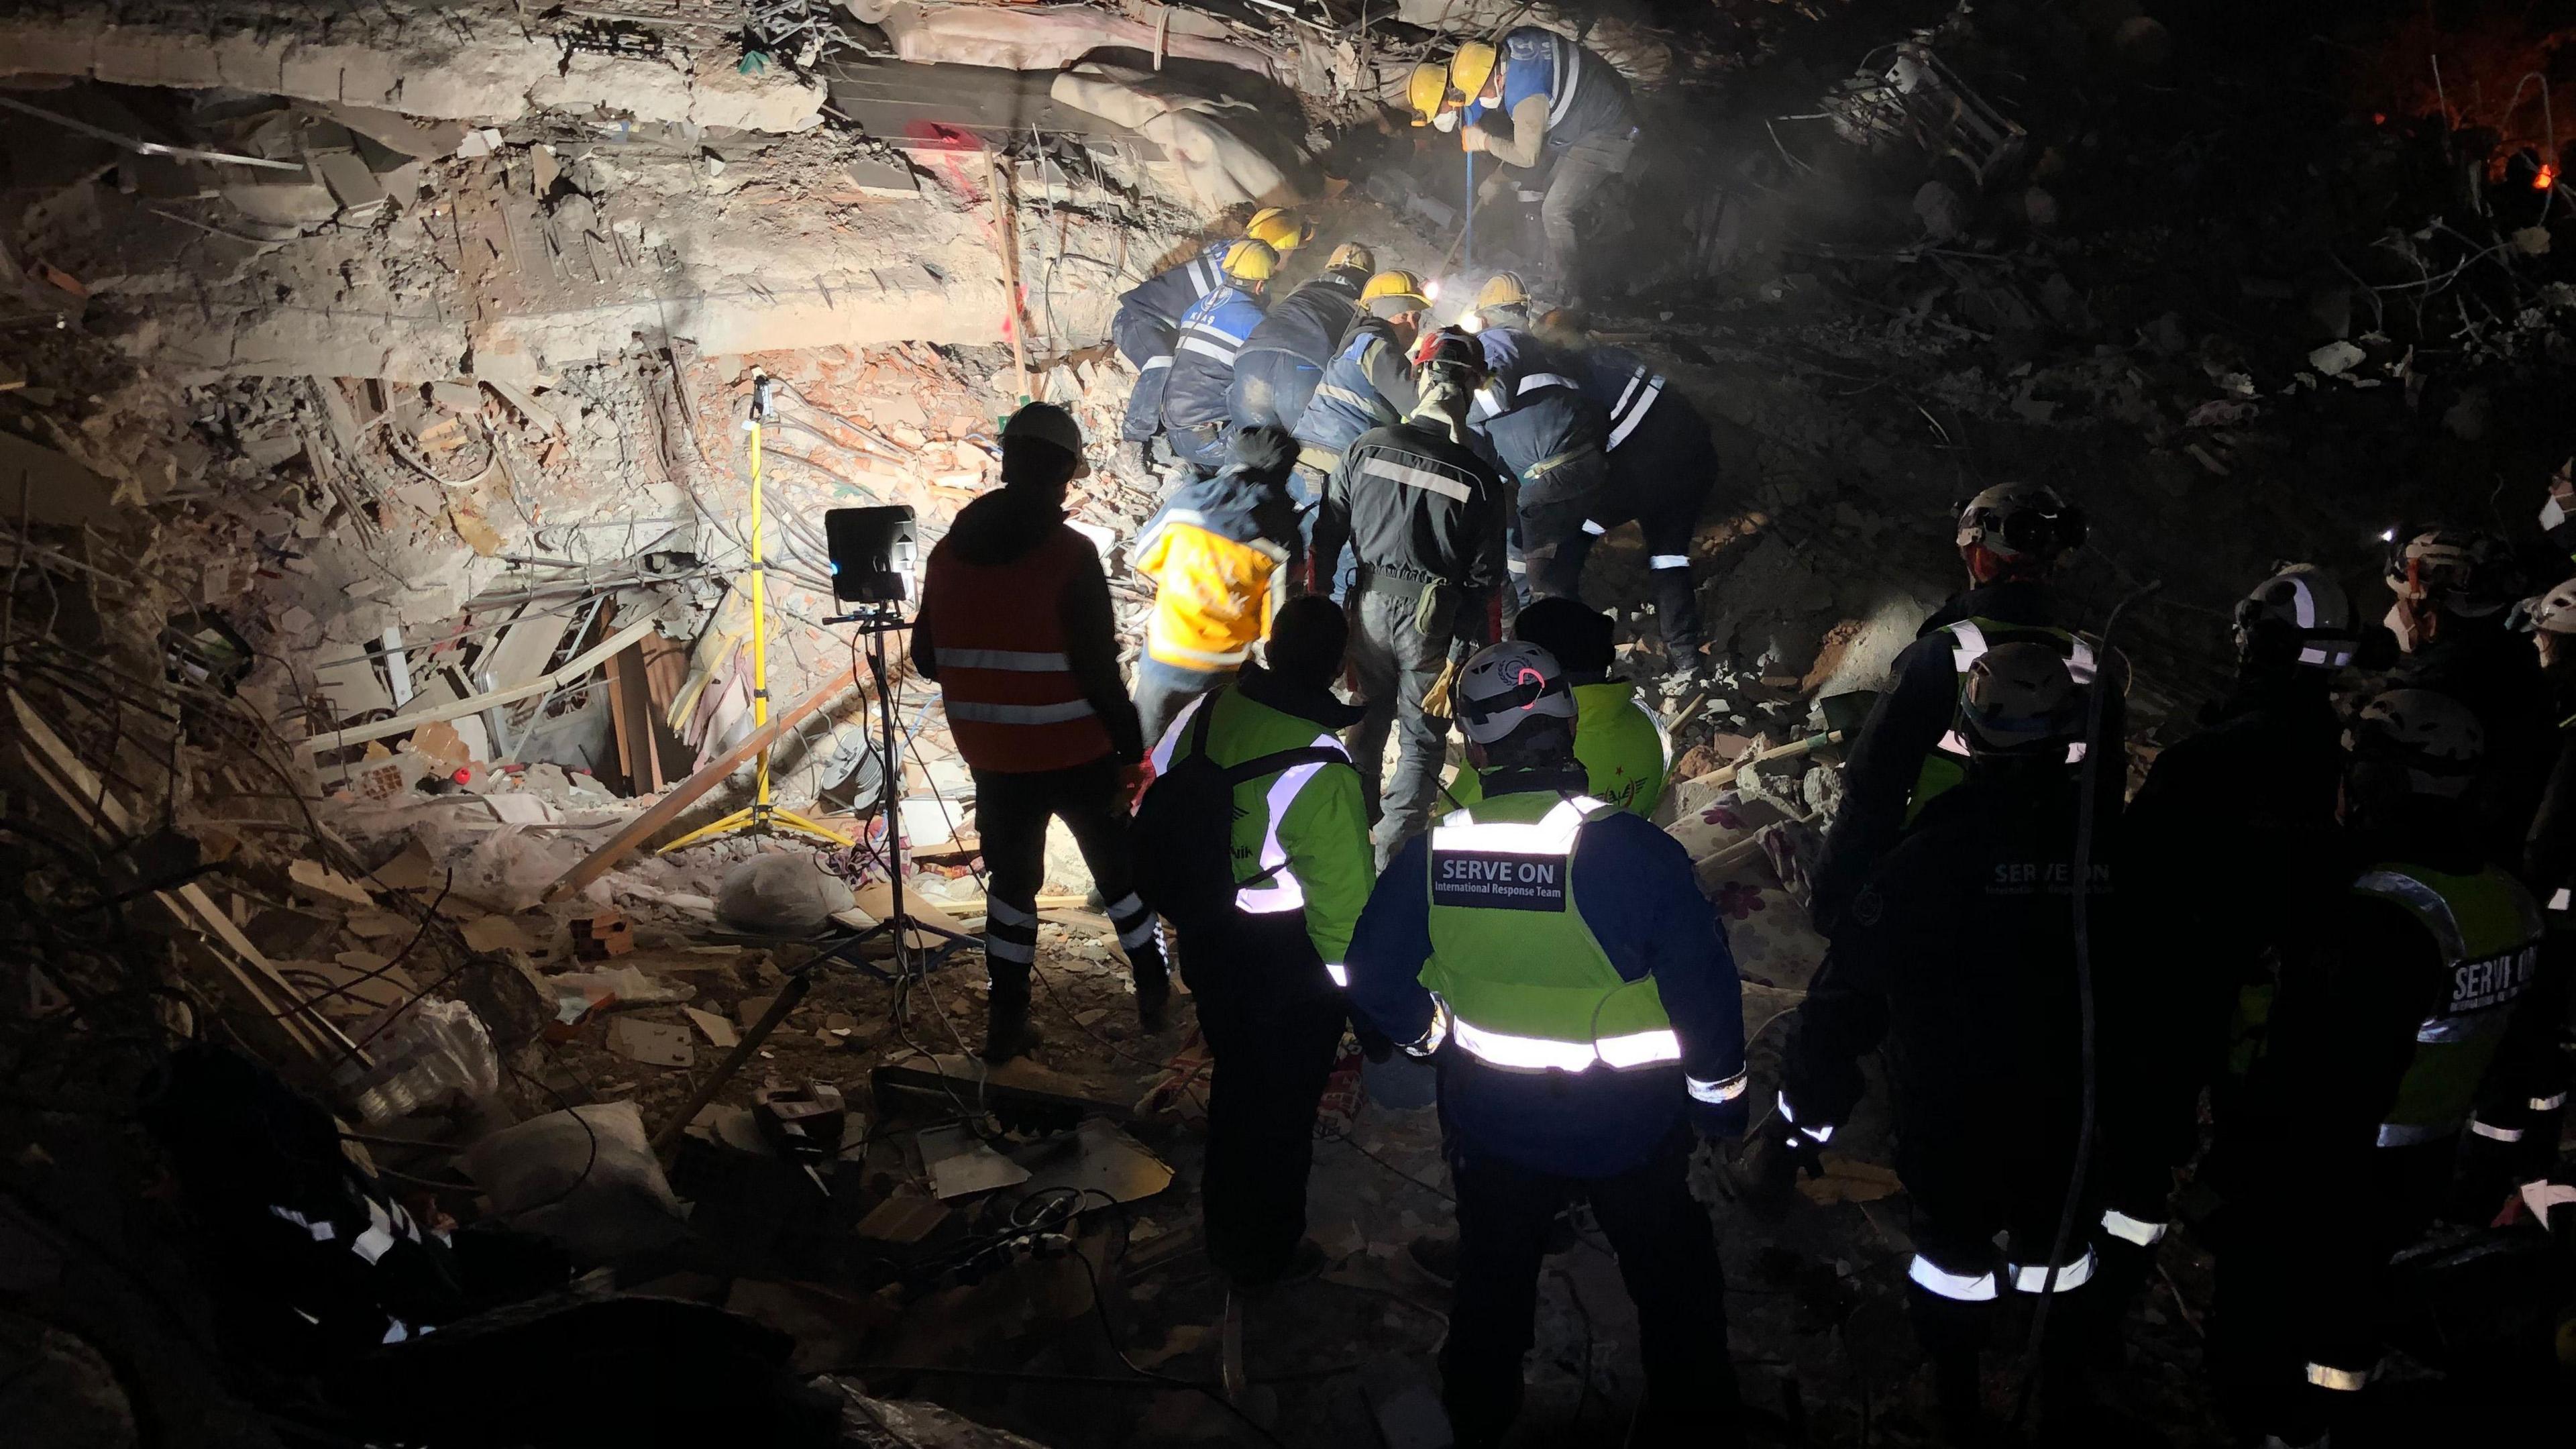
x,y
1719,1121
1436,701
1133,781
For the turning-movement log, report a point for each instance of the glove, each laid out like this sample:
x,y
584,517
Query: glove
x,y
1471,138
1435,700
1133,781
1719,1121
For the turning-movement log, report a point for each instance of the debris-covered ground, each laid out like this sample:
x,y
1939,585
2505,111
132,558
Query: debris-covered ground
x,y
373,464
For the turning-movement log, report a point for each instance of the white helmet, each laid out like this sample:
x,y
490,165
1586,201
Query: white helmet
x,y
2550,613
2436,740
2018,697
2300,615
1506,684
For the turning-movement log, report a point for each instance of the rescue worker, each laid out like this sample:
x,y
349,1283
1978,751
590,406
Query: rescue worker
x,y
1554,957
1268,985
1219,553
1551,438
2011,538
2454,588
1016,629
1661,467
2515,1132
2232,835
1197,395
1367,384
1961,951
1423,515
1148,322
1622,750
2380,1034
1536,102
1281,363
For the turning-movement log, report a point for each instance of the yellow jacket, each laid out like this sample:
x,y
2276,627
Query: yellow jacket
x,y
1215,593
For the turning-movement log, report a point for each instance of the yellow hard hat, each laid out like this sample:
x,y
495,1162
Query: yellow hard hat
x,y
1472,66
1392,294
1425,90
1278,227
1502,289
1251,261
1352,255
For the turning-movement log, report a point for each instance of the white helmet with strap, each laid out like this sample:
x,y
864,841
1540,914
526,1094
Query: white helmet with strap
x,y
1505,685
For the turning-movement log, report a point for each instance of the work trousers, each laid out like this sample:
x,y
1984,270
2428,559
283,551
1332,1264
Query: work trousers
x,y
1203,448
1273,1023
1393,665
1577,177
1667,1257
1164,690
2301,1315
1146,343
1011,814
1271,389
2522,1108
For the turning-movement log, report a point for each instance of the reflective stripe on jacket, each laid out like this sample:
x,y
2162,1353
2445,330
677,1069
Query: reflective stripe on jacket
x,y
1012,700
1586,95
2488,931
1203,354
1352,398
1306,826
1947,764
1526,983
1168,295
1623,751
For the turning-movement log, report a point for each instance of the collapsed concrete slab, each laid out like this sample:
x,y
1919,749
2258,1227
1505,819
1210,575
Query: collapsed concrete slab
x,y
475,61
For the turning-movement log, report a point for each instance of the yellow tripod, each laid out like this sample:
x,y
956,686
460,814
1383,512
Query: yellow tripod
x,y
761,817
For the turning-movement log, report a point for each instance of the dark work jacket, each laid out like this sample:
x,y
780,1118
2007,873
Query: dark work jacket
x,y
1659,447
1167,296
1307,322
1417,507
2549,852
2233,836
1919,707
1535,417
2496,673
1367,384
1009,524
1959,953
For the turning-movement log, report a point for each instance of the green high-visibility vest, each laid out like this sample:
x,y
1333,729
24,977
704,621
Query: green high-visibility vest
x,y
1526,983
2488,930
1947,763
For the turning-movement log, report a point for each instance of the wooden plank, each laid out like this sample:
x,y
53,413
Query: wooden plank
x,y
573,669
687,793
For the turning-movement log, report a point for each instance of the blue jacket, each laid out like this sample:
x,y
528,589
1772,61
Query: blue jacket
x,y
1366,385
1167,296
1212,333
1535,416
1586,95
1645,411
1308,322
1634,886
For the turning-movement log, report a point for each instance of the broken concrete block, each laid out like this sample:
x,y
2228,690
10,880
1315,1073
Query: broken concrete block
x,y
2336,358
457,397
349,181
284,203
888,178
1941,210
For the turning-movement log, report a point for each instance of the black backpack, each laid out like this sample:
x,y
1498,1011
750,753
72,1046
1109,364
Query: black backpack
x,y
1185,828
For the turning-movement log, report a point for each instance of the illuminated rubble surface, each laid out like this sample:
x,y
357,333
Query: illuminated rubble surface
x,y
451,392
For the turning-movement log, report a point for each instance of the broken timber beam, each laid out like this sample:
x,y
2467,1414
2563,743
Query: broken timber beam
x,y
686,793
573,668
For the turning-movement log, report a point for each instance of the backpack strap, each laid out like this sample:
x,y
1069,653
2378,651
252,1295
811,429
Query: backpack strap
x,y
1278,760
1199,726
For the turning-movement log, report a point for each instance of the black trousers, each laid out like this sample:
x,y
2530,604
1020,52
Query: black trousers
x,y
1011,813
1667,1257
1394,664
1146,342
1273,1024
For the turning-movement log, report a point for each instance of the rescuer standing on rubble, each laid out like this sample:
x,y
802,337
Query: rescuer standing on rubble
x,y
1197,405
1961,952
1148,321
1367,384
2454,589
1267,974
1554,956
1016,629
1219,554
1281,363
2011,538
1423,515
2233,837
1622,750
1547,434
2381,1031
1536,102
1661,467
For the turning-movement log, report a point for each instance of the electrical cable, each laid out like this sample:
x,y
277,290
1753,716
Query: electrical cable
x,y
2088,788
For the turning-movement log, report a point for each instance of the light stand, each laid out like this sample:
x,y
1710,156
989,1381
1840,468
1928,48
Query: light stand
x,y
761,817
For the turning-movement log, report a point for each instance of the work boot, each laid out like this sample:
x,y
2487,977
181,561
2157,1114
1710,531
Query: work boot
x,y
1007,1031
1153,997
1305,1262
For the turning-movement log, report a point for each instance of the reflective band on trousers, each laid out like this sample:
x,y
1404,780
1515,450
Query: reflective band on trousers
x,y
1668,561
2558,900
2034,1279
1002,948
2550,1103
2131,1230
1540,1054
1957,1287
2494,1133
1818,1135
1022,714
1019,661
1721,1092
1340,973
2341,1380
1596,530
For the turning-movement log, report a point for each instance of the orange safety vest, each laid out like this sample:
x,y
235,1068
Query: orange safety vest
x,y
1013,703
